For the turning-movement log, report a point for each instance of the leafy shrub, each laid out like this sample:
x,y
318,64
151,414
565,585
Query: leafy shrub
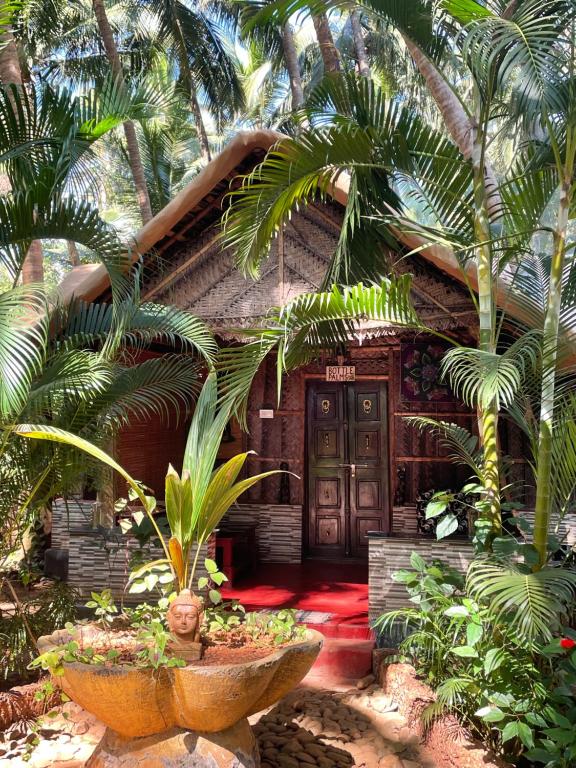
x,y
485,655
38,613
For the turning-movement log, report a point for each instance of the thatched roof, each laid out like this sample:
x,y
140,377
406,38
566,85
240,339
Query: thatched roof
x,y
199,203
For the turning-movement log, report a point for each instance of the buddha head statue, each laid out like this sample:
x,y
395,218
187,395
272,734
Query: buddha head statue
x,y
185,616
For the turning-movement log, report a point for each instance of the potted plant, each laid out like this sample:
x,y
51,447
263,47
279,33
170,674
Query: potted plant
x,y
156,674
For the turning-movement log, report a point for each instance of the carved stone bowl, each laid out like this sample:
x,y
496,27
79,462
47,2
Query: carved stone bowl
x,y
136,702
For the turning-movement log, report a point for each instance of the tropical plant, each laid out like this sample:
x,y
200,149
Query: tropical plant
x,y
34,614
78,369
196,500
309,324
481,646
488,222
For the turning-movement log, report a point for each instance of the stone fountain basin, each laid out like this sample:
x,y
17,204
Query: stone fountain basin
x,y
138,702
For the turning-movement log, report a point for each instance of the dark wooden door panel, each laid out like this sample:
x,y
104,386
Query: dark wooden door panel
x,y
369,462
327,483
347,467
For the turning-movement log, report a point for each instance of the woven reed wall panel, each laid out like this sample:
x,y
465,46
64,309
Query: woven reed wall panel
x,y
146,448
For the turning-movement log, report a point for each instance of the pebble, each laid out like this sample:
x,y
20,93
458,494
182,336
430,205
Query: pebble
x,y
359,728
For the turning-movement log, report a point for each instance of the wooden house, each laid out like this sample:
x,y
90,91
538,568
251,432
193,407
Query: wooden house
x,y
359,467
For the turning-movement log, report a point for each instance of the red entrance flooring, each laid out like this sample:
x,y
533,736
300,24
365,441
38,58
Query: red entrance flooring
x,y
339,589
335,594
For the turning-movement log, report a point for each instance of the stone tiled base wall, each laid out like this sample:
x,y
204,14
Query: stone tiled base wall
x,y
278,532
98,558
386,556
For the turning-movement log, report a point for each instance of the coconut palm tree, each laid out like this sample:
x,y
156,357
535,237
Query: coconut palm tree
x,y
357,130
129,130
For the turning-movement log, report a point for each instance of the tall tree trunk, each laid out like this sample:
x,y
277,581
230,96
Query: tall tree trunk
x,y
328,50
33,267
291,60
134,156
359,47
200,126
10,71
542,511
456,121
11,74
73,255
186,77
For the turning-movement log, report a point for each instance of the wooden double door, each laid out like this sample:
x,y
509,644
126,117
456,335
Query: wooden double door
x,y
347,488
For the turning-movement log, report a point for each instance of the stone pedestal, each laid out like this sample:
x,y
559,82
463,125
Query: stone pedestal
x,y
235,747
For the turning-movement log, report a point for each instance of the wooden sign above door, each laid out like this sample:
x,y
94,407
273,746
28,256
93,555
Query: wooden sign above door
x,y
340,373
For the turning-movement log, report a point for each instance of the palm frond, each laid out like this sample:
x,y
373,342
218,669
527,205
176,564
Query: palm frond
x,y
481,378
533,603
463,445
312,323
23,333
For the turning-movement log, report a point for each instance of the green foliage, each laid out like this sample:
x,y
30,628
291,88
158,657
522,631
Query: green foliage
x,y
155,652
197,500
308,325
104,607
39,612
489,664
532,604
279,625
555,745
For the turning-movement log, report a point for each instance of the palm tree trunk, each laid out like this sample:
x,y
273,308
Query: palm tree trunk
x,y
33,267
73,255
488,415
11,74
200,126
456,121
549,359
291,60
359,47
328,50
134,156
10,71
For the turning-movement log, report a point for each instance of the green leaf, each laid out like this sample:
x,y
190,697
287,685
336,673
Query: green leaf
x,y
446,526
203,582
517,729
435,508
457,610
474,633
417,562
494,715
210,566
534,718
215,596
493,660
540,755
466,651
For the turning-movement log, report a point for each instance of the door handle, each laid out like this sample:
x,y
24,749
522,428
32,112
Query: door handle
x,y
353,467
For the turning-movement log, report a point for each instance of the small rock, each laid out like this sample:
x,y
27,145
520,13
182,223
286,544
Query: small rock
x,y
305,737
287,761
364,682
410,764
292,746
82,726
304,757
